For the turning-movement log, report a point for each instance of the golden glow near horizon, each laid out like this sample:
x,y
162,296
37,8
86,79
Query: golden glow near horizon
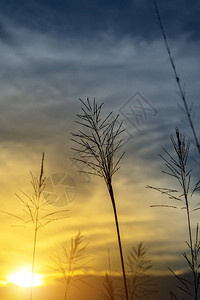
x,y
23,278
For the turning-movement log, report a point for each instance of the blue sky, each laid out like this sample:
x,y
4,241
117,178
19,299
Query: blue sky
x,y
54,52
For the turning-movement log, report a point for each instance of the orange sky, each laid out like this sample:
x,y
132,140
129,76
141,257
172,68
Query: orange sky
x,y
91,213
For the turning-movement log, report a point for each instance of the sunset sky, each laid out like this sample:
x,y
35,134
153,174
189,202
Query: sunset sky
x,y
51,54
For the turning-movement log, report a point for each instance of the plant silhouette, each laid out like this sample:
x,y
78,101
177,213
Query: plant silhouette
x,y
193,244
186,109
38,212
71,261
98,143
108,284
141,285
177,167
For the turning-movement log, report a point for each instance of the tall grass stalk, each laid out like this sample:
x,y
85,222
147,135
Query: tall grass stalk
x,y
177,167
141,285
71,261
38,186
108,283
193,246
185,107
98,144
37,208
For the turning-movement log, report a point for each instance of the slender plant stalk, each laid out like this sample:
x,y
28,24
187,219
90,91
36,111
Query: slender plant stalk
x,y
99,144
35,210
108,284
39,212
67,289
194,271
177,78
187,111
141,284
119,238
177,168
33,259
184,184
38,190
72,259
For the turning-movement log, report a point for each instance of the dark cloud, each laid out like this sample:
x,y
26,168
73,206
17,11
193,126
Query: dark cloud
x,y
136,18
42,77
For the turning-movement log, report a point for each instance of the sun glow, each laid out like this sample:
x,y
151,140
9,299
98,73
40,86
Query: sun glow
x,y
23,278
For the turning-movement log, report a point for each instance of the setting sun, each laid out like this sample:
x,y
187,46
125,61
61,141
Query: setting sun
x,y
23,279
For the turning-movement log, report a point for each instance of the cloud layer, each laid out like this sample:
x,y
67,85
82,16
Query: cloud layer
x,y
43,73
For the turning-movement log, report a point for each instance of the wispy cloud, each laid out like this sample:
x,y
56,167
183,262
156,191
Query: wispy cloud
x,y
43,75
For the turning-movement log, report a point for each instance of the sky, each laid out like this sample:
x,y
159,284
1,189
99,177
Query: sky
x,y
51,54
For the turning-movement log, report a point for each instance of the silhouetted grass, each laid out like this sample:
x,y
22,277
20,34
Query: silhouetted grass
x,y
72,260
187,110
140,283
108,284
38,212
177,167
98,143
